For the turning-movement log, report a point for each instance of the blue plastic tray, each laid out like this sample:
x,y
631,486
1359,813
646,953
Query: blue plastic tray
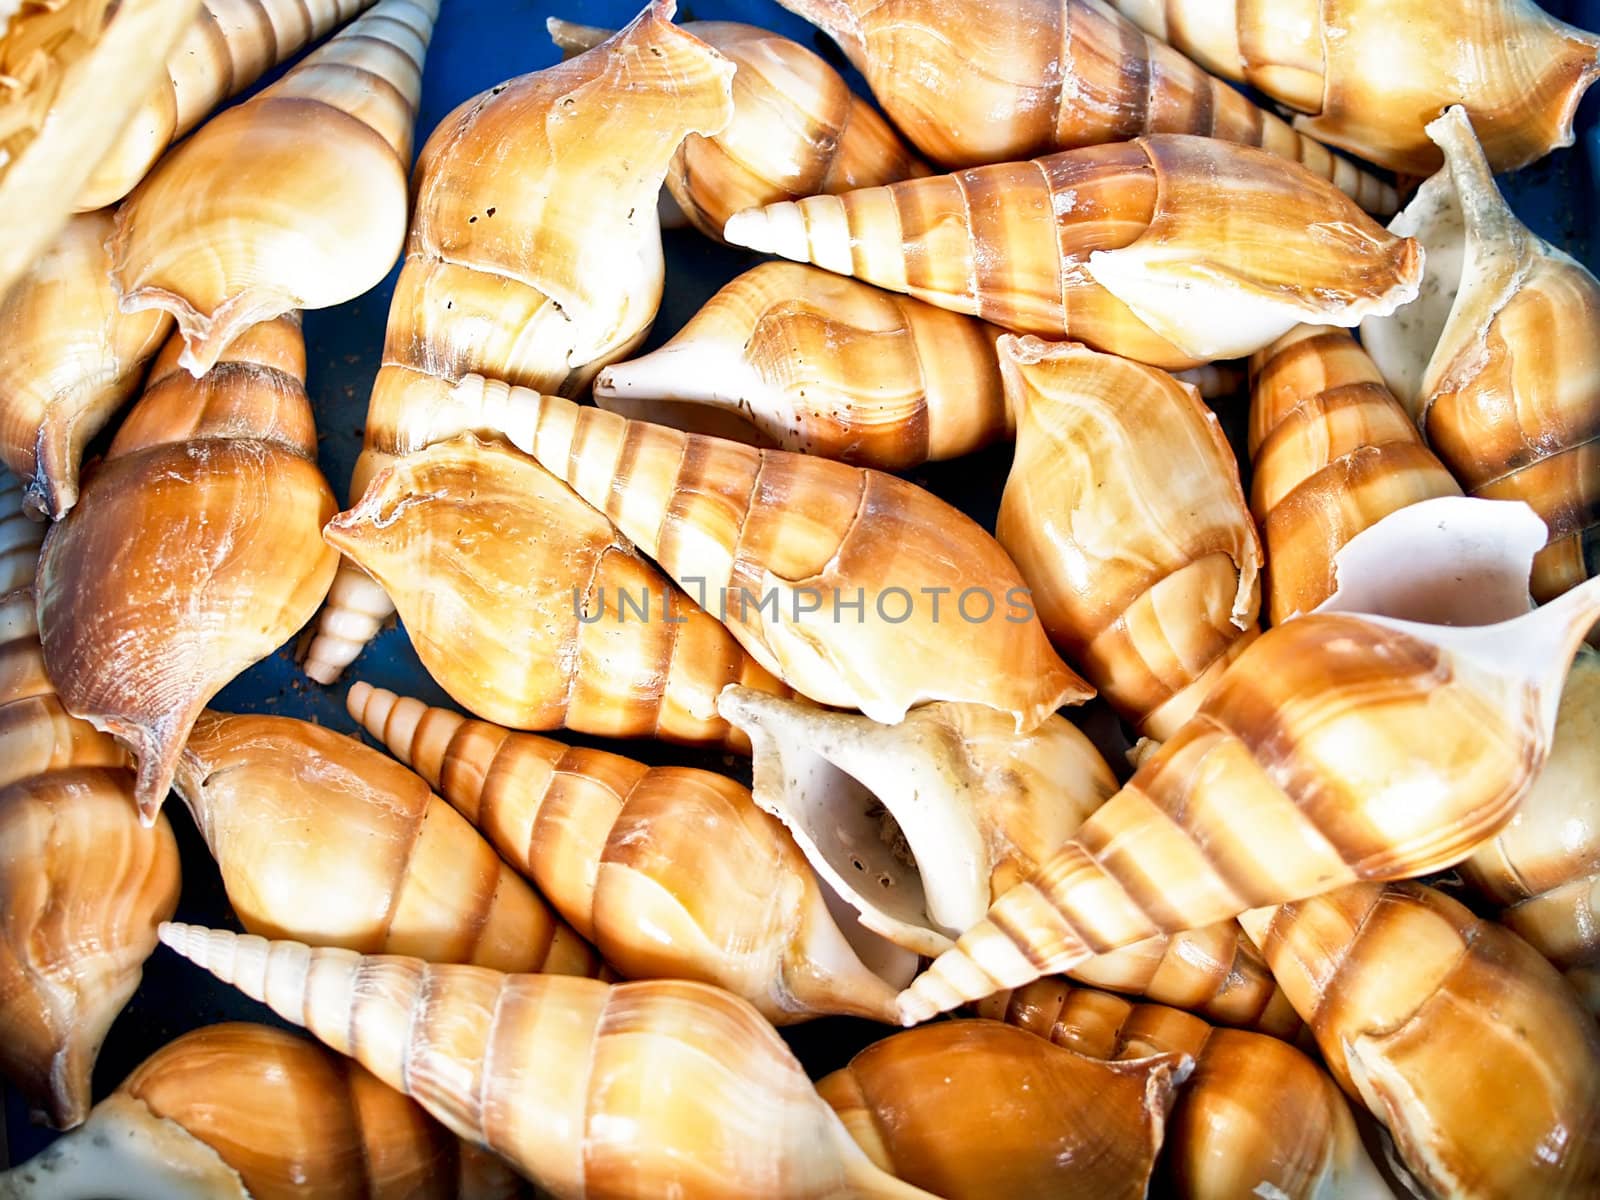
x,y
477,44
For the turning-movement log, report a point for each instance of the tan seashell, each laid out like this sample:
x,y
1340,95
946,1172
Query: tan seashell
x,y
796,357
1333,453
194,552
69,358
1255,1118
1373,73
672,872
975,1109
918,826
588,1089
327,841
538,275
1171,250
972,82
1396,981
248,1112
797,129
529,607
1497,361
66,67
230,45
766,529
1125,514
314,217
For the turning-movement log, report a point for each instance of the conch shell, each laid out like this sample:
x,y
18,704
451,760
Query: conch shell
x,y
249,1112
66,70
1373,73
1125,514
318,217
919,826
537,275
231,45
528,606
817,363
797,129
1397,981
975,1109
1171,250
1285,785
972,82
673,873
69,358
1498,362
330,842
82,884
1255,1118
658,1088
195,550
1334,453
825,554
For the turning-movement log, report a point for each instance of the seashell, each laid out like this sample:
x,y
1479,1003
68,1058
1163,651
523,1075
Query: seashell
x,y
658,1088
230,45
1395,980
797,129
816,363
765,529
1171,250
69,358
529,607
65,68
19,539
673,873
972,82
918,826
1333,453
1125,514
249,1112
1372,73
538,276
1542,871
1284,785
194,550
1255,1118
1497,362
319,217
976,1109
327,841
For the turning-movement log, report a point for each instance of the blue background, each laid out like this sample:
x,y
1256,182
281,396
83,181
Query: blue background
x,y
477,44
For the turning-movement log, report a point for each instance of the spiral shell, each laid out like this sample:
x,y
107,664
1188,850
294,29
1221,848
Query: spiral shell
x,y
1125,514
672,872
319,217
538,275
590,1090
1373,73
978,81
1498,362
230,45
975,1109
194,552
1395,980
1333,453
1171,250
528,606
69,358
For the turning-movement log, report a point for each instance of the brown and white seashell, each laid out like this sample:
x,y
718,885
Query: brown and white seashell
x,y
657,1088
329,842
1172,250
317,214
194,552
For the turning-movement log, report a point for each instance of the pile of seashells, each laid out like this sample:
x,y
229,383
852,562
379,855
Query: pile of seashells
x,y
535,968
